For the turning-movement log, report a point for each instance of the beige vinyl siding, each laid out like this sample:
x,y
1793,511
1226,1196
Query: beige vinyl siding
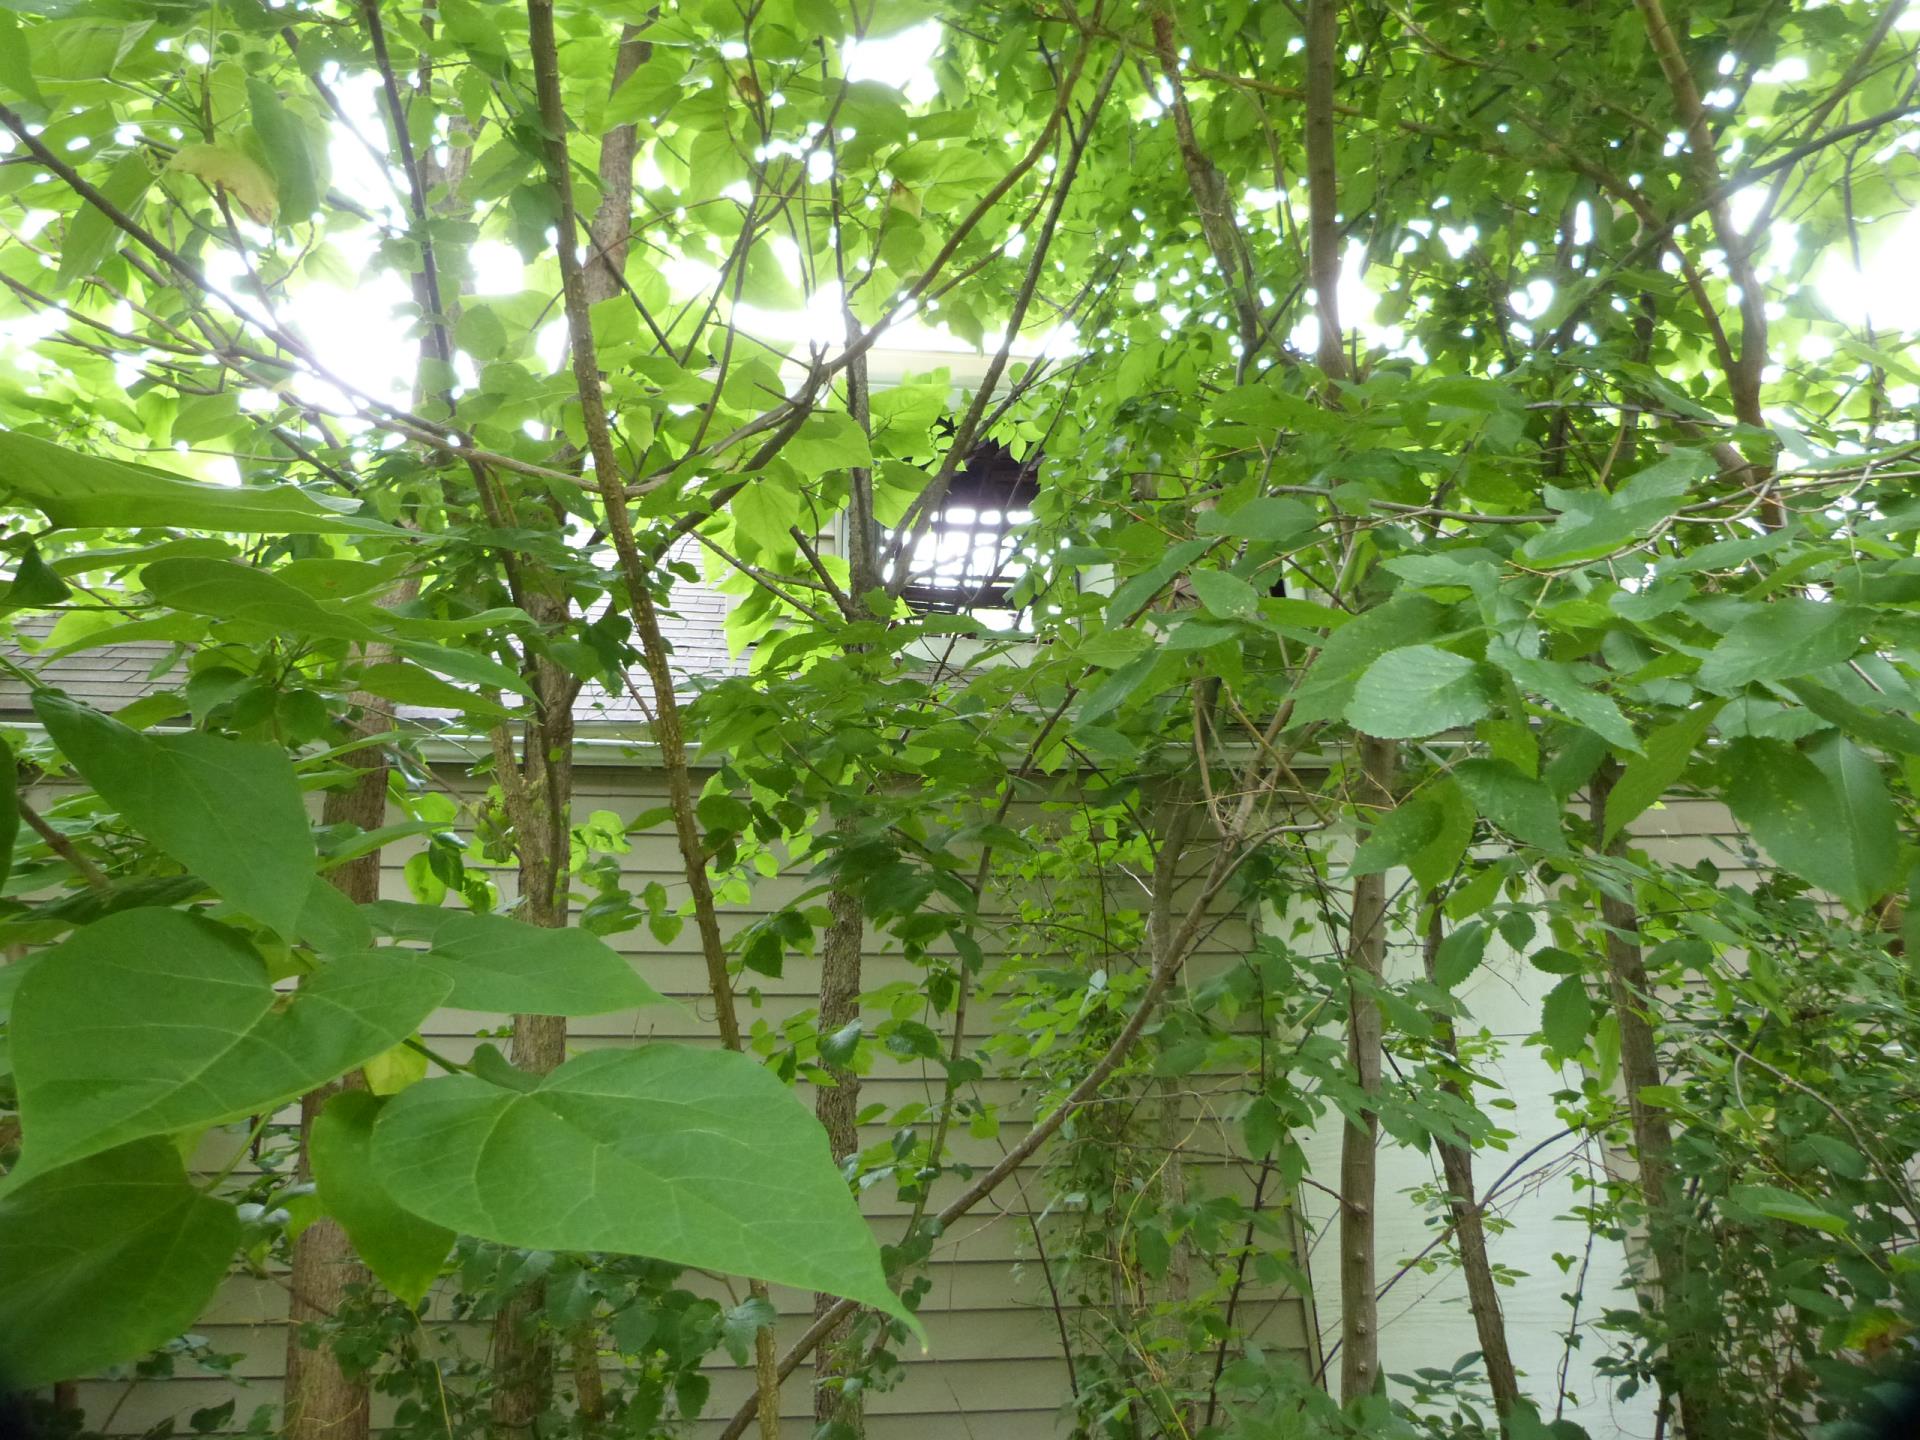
x,y
994,1365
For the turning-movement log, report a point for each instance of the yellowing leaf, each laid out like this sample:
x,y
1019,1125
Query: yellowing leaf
x,y
229,170
392,1071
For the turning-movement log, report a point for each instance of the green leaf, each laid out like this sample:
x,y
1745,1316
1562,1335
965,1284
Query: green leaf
x,y
1868,822
96,1068
1518,804
1396,836
1137,590
1831,823
1268,518
467,665
79,491
764,511
699,1157
1460,954
91,237
505,965
1114,691
738,1325
414,685
228,810
1113,649
1566,1016
331,923
1894,733
1592,522
1227,596
1419,690
1786,638
1777,1204
9,808
228,590
35,583
404,1252
285,142
1567,692
1664,760
1404,620
1435,862
828,440
104,1260
16,61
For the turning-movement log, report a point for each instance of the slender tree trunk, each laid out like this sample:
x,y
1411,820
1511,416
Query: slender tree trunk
x,y
667,729
1366,965
539,800
1690,1352
838,1107
322,1401
841,952
1323,199
1469,1228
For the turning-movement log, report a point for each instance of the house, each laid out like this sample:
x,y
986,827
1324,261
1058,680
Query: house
x,y
996,1366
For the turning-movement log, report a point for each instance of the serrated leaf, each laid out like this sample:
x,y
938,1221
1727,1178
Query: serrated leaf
x,y
699,1157
228,810
1785,638
1112,649
1777,1204
1460,954
1396,836
1663,760
1404,620
1419,690
1267,517
1518,804
96,1069
1566,1016
1831,823
1593,522
1566,692
104,1260
497,963
1224,595
1435,862
404,1252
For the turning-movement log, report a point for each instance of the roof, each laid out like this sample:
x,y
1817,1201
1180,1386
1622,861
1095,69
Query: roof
x,y
113,676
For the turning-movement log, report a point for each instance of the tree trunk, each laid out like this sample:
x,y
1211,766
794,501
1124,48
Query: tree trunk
x,y
540,798
837,1108
322,1401
1469,1228
1690,1356
1366,964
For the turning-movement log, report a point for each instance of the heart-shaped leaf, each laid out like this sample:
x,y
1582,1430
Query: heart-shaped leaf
x,y
153,1021
403,1251
228,810
505,965
103,1260
701,1157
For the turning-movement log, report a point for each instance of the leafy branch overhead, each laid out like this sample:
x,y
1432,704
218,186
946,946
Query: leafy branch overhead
x,y
1313,577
